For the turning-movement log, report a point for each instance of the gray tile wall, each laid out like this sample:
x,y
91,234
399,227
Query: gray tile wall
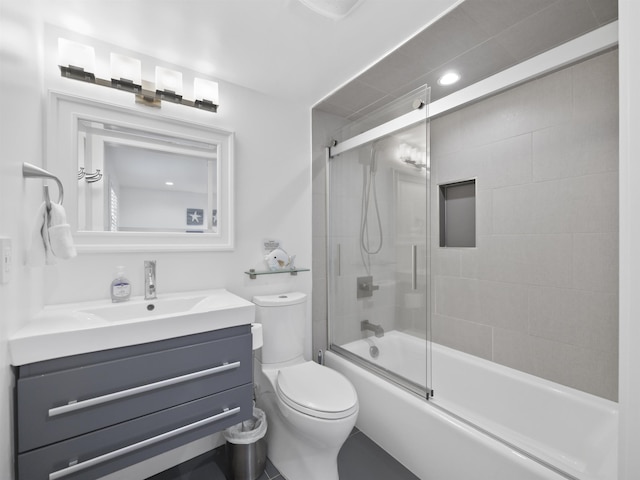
x,y
346,181
539,293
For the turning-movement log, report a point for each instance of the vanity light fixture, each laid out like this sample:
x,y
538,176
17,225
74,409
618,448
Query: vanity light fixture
x,y
126,73
169,84
404,152
206,93
412,156
77,61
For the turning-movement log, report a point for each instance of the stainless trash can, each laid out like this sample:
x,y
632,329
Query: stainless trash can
x,y
247,462
247,447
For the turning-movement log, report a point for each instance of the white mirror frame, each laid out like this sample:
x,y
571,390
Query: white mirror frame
x,y
64,113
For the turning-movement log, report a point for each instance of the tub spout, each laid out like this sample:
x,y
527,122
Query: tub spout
x,y
376,329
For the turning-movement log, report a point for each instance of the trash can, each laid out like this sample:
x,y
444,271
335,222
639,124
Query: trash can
x,y
247,447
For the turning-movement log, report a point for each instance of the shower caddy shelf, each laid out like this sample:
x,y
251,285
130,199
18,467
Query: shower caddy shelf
x,y
253,273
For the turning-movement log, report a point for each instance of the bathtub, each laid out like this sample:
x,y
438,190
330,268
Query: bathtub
x,y
485,421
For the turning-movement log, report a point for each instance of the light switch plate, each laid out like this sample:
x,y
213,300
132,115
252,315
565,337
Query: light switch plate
x,y
6,258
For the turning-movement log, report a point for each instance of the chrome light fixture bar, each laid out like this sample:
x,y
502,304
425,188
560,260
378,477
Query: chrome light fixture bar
x,y
77,62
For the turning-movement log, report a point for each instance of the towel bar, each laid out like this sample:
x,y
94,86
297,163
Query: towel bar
x,y
31,171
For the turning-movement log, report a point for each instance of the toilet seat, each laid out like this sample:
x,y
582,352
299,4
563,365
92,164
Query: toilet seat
x,y
317,391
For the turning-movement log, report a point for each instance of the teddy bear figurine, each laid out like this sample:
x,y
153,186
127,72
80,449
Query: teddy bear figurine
x,y
278,259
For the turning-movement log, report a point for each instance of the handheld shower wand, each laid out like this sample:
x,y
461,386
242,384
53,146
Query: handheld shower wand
x,y
369,188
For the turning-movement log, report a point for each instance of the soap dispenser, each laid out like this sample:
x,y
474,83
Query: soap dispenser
x,y
120,287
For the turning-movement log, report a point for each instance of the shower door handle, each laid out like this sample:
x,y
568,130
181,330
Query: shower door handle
x,y
414,267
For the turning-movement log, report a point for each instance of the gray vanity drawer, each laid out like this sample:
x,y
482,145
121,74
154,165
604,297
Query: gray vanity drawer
x,y
109,392
108,450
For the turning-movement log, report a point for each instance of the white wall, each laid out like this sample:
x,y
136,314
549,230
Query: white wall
x,y
629,440
272,193
20,140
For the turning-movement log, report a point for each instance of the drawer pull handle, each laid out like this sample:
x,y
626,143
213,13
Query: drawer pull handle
x,y
91,402
137,446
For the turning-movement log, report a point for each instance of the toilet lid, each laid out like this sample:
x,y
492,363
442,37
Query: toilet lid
x,y
317,391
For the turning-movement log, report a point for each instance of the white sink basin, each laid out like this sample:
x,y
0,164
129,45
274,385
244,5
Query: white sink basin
x,y
63,330
141,309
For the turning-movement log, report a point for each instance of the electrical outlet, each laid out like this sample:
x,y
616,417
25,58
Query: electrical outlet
x,y
6,257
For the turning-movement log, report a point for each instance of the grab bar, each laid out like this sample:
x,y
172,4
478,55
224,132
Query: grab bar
x,y
31,171
71,407
137,446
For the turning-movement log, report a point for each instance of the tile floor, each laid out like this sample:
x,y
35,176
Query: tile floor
x,y
359,459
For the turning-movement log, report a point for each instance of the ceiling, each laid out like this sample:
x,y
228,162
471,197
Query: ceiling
x,y
278,47
284,49
477,39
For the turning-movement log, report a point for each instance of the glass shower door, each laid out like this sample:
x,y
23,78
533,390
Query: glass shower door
x,y
378,255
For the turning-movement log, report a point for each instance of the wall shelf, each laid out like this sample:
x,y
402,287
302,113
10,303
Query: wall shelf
x,y
253,273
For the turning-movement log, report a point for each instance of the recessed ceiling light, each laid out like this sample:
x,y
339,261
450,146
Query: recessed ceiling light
x,y
448,78
170,184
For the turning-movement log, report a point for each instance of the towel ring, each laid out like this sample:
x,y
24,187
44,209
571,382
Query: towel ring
x,y
31,171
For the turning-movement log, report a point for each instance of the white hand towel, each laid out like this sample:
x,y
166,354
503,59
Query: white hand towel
x,y
51,238
38,250
60,238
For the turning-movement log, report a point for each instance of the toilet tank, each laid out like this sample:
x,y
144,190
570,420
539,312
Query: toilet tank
x,y
283,326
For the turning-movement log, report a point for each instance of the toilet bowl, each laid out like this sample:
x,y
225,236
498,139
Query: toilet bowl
x,y
310,408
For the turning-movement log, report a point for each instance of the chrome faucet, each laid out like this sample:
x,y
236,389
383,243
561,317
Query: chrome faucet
x,y
150,279
376,329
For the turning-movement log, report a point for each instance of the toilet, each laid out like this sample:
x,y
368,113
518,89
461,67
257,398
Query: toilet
x,y
310,408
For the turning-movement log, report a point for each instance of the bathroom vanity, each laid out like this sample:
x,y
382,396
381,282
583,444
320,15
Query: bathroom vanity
x,y
94,412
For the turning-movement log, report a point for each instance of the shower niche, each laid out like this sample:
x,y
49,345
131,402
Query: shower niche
x,y
457,202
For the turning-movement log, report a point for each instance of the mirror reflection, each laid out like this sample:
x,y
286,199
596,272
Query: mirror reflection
x,y
137,181
122,162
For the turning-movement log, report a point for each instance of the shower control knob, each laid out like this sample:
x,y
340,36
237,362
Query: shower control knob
x,y
369,287
365,286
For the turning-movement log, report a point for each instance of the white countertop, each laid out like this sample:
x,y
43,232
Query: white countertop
x,y
71,329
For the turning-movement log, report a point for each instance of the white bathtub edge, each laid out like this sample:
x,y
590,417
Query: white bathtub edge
x,y
428,442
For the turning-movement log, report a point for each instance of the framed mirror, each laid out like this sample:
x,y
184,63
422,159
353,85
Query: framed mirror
x,y
139,181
